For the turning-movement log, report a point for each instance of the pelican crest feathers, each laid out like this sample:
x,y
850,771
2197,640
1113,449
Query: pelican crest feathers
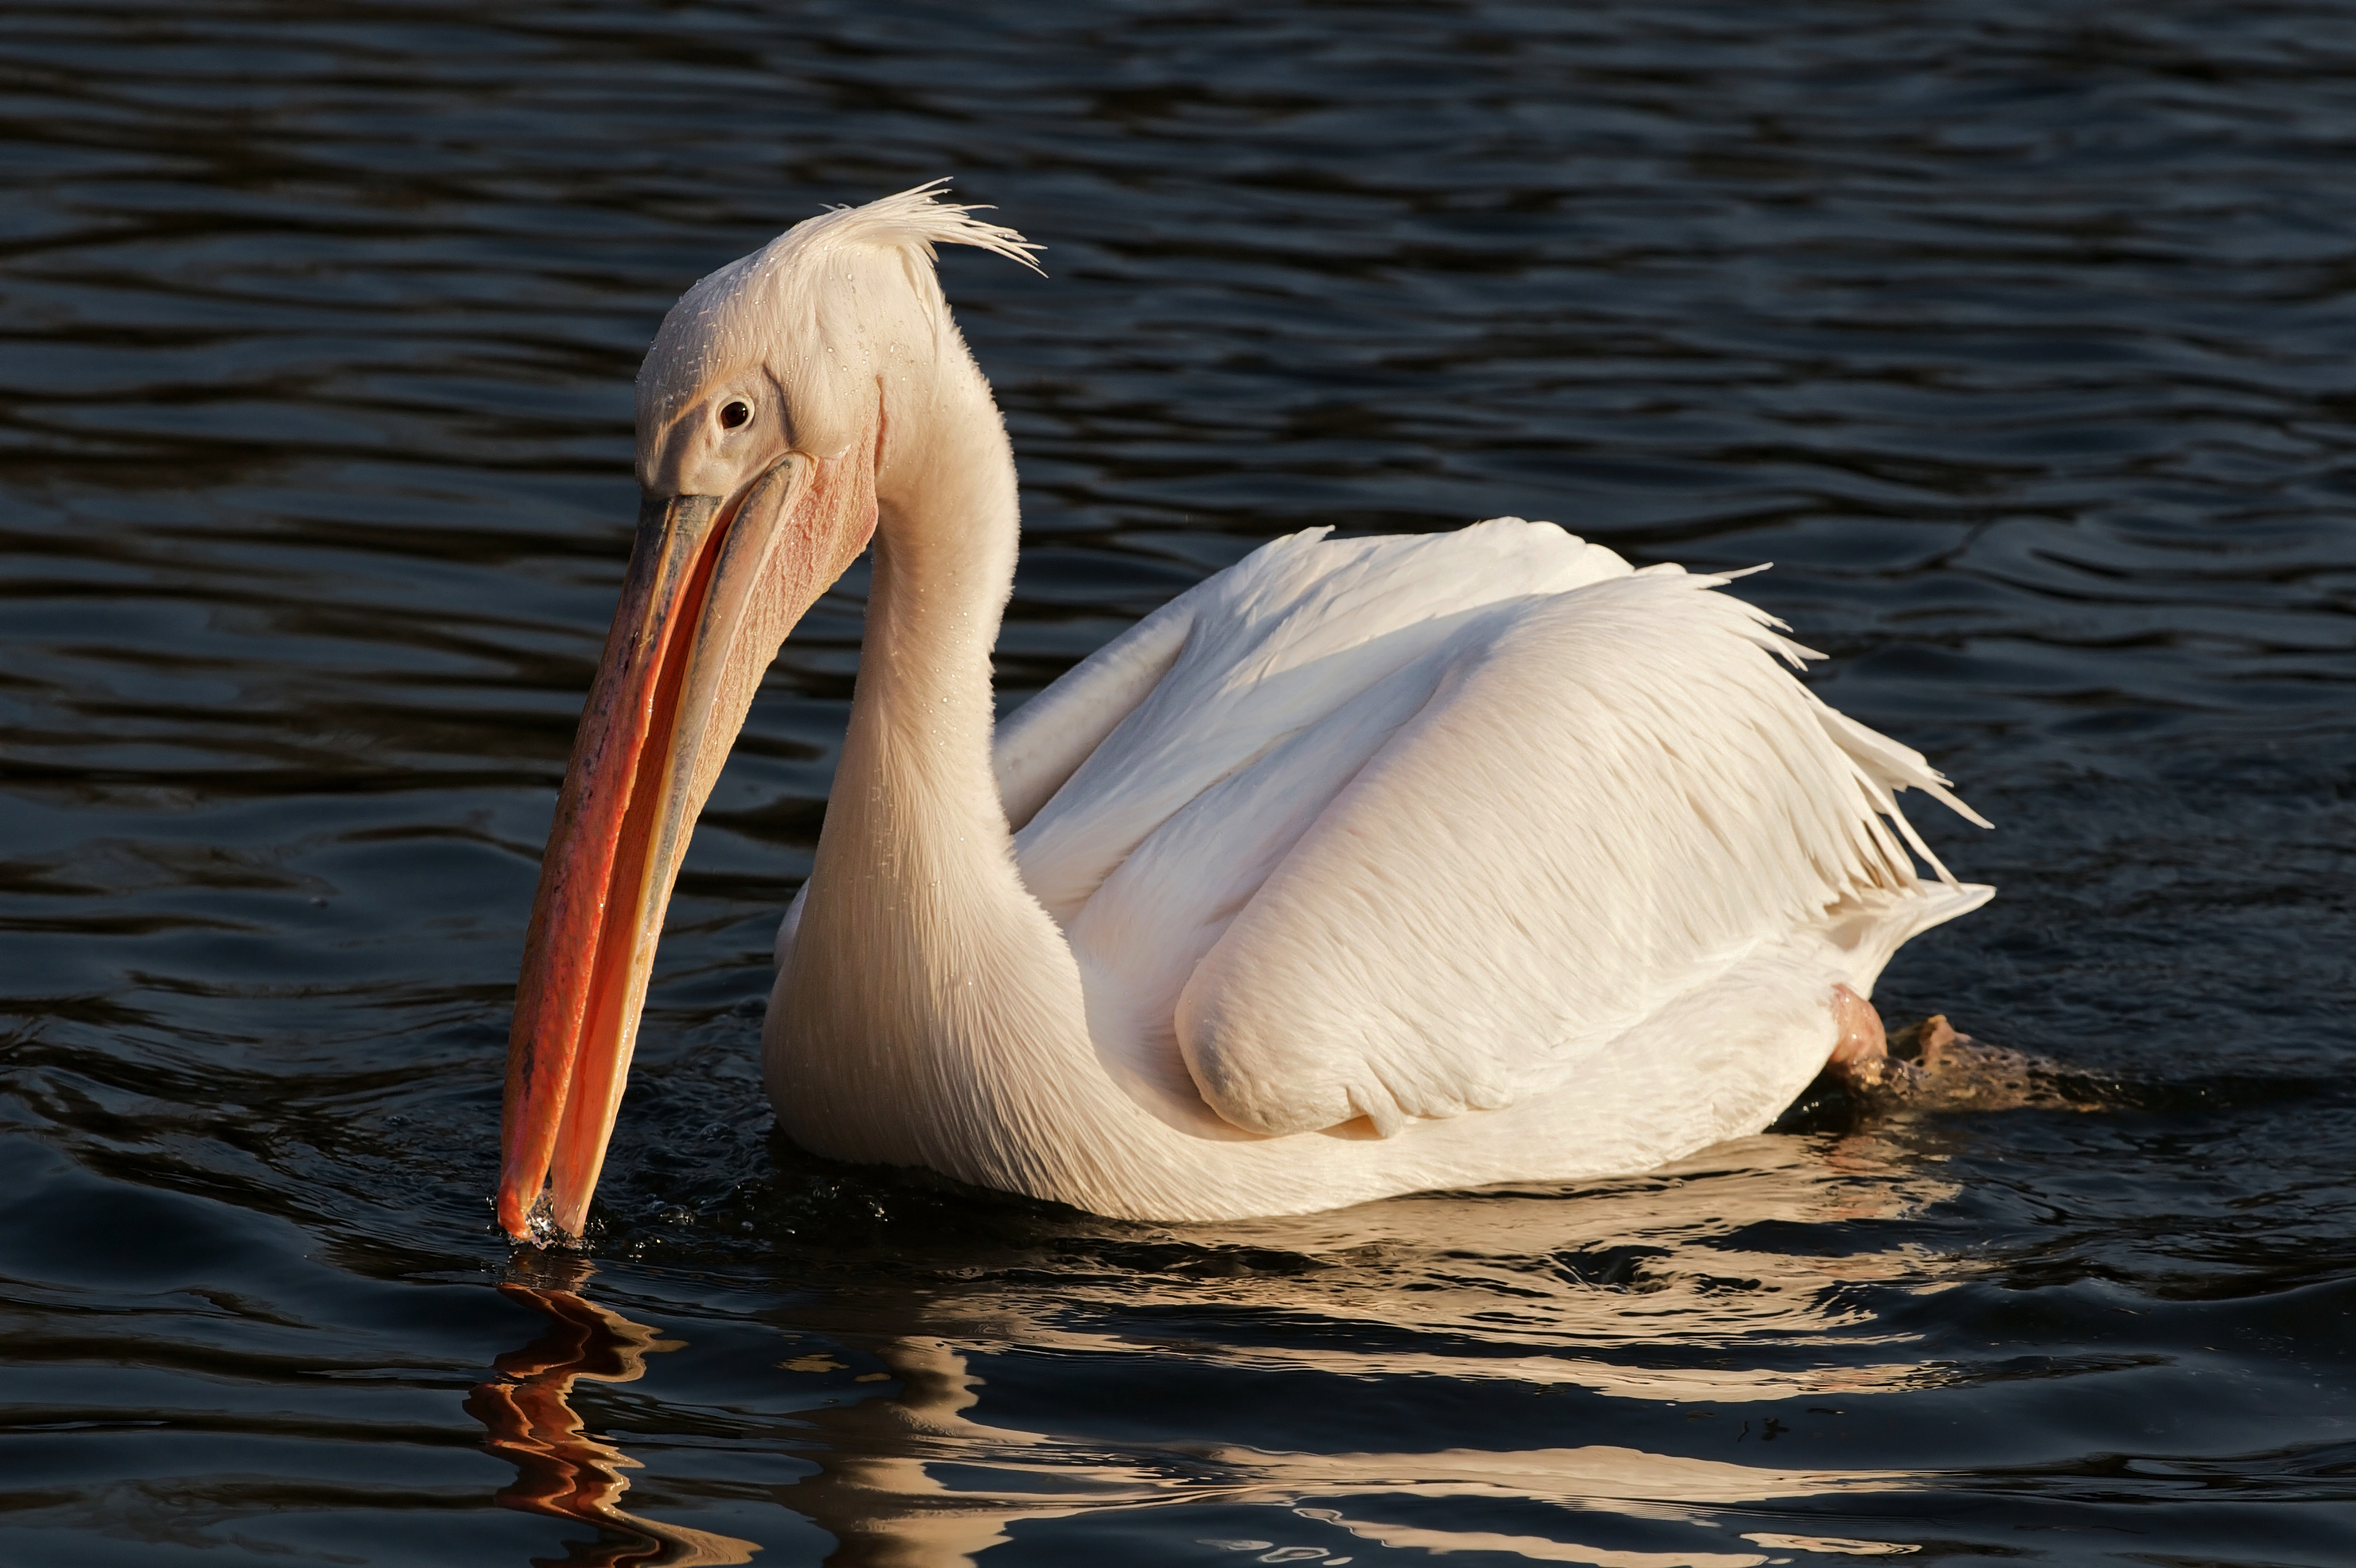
x,y
826,287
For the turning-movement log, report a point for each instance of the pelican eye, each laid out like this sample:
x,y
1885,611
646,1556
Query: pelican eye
x,y
735,413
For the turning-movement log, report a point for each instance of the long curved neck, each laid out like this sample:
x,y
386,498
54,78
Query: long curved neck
x,y
928,996
945,537
914,821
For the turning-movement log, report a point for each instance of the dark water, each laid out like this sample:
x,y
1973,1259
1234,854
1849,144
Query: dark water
x,y
2018,336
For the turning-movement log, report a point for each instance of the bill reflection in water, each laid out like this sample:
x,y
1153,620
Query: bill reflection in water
x,y
563,1470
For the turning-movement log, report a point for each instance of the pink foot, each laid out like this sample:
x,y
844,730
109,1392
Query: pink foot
x,y
1861,1048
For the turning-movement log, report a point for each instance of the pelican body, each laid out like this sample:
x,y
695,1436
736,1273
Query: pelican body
x,y
1367,866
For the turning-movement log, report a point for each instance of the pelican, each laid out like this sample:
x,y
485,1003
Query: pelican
x,y
1367,866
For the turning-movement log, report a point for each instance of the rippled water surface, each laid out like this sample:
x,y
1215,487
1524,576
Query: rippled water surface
x,y
2018,337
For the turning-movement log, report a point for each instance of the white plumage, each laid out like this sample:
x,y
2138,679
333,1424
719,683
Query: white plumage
x,y
1362,842
1365,866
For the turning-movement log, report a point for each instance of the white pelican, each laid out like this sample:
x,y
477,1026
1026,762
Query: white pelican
x,y
1367,866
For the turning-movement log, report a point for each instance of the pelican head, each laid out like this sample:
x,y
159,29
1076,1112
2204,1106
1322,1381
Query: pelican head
x,y
762,433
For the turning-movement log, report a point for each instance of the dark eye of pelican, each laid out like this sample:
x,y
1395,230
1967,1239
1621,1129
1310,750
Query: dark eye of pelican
x,y
734,413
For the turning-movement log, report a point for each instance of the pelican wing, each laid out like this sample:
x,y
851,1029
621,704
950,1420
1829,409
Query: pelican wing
x,y
1609,800
1277,644
1410,827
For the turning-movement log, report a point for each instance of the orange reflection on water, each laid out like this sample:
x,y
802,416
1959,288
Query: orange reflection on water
x,y
563,1471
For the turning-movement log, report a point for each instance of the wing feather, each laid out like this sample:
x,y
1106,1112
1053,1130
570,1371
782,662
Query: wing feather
x,y
1609,797
1273,645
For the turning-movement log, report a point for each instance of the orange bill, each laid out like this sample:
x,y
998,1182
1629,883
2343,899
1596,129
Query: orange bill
x,y
713,588
568,1044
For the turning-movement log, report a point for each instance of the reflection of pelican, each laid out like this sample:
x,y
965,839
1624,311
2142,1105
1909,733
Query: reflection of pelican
x,y
915,1474
1367,866
878,1497
1464,1290
564,1472
1635,1290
